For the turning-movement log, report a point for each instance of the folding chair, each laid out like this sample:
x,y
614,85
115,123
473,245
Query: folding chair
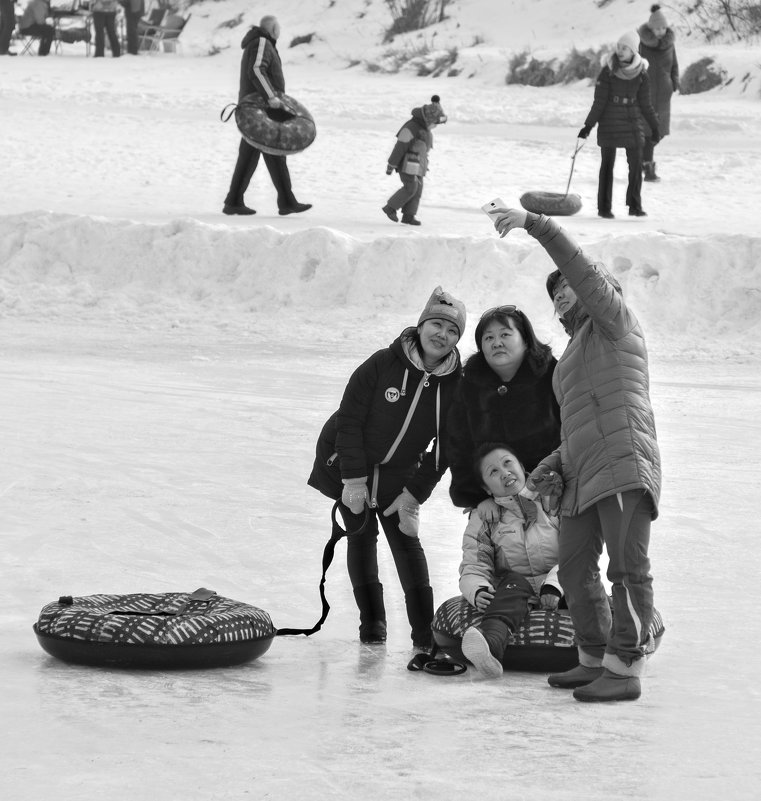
x,y
166,36
147,27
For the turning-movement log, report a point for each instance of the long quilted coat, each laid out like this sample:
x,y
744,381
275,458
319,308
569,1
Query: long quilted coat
x,y
521,412
663,72
608,441
622,108
356,440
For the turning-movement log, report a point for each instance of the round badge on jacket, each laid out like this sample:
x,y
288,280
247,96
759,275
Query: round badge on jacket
x,y
392,395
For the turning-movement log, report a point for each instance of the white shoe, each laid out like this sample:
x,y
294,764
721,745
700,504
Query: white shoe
x,y
476,650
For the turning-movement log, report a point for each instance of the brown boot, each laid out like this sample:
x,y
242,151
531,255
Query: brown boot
x,y
610,687
575,677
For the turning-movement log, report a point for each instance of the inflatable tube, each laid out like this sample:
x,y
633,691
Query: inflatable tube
x,y
280,131
553,204
163,631
544,643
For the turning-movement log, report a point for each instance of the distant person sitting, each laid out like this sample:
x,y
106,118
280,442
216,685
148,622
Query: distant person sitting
x,y
33,23
104,21
261,72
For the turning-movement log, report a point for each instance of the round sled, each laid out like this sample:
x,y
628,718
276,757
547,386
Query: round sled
x,y
162,631
544,643
280,131
555,204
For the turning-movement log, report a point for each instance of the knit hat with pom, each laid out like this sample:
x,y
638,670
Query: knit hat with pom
x,y
433,112
442,306
631,40
657,18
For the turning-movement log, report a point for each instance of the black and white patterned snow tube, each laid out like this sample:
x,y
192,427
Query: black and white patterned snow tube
x,y
544,642
158,631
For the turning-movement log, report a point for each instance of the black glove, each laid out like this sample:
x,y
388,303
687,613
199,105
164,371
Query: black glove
x,y
389,170
655,136
584,132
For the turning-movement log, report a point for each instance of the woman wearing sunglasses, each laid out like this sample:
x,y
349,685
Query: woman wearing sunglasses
x,y
505,395
610,463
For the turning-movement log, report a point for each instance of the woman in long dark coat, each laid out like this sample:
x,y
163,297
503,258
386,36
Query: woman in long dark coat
x,y
623,108
505,395
657,47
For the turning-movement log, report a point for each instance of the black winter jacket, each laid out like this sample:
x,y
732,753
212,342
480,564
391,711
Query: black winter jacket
x,y
522,412
621,107
357,439
261,71
663,73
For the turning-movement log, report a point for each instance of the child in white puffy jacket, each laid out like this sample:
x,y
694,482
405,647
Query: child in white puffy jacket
x,y
509,565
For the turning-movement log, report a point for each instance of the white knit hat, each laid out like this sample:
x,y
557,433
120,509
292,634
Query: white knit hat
x,y
631,40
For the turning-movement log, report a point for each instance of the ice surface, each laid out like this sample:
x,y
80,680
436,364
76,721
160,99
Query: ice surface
x,y
165,371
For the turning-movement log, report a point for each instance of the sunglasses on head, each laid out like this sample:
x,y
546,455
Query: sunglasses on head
x,y
509,309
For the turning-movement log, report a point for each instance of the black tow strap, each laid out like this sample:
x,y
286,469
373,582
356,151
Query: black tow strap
x,y
327,558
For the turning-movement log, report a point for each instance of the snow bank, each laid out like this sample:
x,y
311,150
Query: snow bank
x,y
696,296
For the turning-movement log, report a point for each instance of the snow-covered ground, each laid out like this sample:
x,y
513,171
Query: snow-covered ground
x,y
165,371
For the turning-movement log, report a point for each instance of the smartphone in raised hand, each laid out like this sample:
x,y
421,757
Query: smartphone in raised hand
x,y
493,206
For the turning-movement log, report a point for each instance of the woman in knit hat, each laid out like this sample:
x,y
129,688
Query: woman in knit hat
x,y
506,395
410,159
657,47
394,409
621,109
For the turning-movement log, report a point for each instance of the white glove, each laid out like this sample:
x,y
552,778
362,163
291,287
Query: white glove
x,y
354,495
409,513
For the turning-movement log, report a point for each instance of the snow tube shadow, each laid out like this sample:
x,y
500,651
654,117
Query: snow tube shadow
x,y
553,204
155,631
544,643
281,131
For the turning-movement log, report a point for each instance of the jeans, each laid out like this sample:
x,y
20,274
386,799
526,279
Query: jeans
x,y
605,184
622,523
105,25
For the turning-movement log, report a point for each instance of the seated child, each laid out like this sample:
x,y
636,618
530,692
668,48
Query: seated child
x,y
510,565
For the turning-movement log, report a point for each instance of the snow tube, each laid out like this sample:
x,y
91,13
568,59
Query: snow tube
x,y
165,631
544,642
553,204
279,131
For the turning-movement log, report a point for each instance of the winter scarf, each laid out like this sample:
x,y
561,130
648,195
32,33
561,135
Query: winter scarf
x,y
627,71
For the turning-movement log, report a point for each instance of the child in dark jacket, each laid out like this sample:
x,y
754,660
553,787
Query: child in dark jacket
x,y
410,159
369,455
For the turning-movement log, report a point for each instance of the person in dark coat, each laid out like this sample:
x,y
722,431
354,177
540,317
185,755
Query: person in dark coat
x,y
261,72
409,158
383,451
7,24
621,108
133,12
657,47
610,465
505,395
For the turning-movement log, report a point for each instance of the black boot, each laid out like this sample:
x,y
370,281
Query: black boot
x,y
372,613
419,603
648,168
